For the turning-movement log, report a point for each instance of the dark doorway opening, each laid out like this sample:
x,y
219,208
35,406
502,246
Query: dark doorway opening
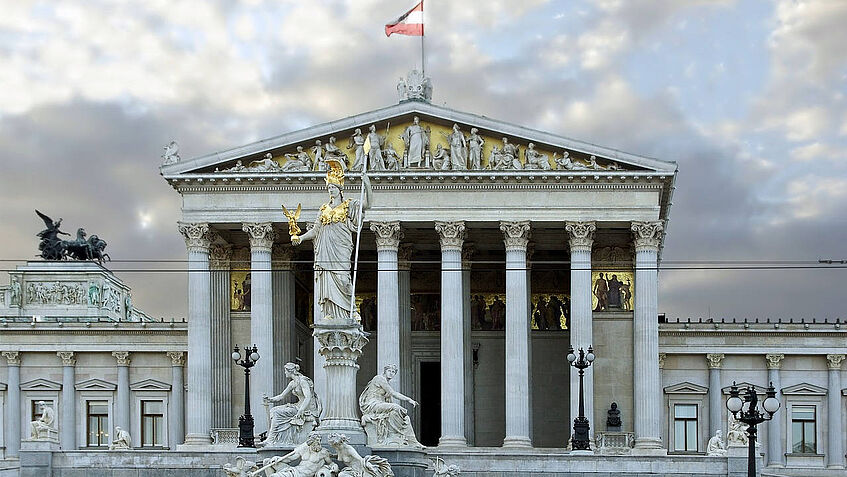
x,y
430,402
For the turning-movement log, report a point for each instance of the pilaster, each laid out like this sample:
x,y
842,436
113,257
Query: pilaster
x,y
714,362
68,428
220,258
13,406
835,443
176,420
775,456
122,400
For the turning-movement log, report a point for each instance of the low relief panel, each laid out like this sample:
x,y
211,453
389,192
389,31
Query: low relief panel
x,y
612,290
57,293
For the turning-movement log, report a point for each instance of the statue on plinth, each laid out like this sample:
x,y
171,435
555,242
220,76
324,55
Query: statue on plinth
x,y
314,461
122,440
356,465
613,421
386,423
736,436
291,422
43,429
716,446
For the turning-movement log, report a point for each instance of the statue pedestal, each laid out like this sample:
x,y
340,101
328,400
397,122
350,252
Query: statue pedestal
x,y
341,346
40,445
36,457
405,462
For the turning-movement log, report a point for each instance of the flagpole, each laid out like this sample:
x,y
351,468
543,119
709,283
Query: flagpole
x,y
423,34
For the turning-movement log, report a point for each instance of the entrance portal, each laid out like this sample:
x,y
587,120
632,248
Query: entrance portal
x,y
430,403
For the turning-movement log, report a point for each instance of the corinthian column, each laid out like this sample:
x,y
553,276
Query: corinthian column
x,y
13,406
199,406
645,331
404,266
518,402
221,335
284,320
388,236
580,240
714,361
176,420
835,443
68,430
775,453
451,236
122,404
261,238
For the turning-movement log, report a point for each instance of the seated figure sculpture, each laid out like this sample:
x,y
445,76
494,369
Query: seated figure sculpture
x,y
716,447
355,464
386,423
314,461
42,428
122,440
291,422
736,436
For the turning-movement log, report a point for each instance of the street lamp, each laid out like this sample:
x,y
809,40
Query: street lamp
x,y
746,410
245,422
580,439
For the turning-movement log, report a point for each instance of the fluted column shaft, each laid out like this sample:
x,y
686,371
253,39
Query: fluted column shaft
x,y
518,404
404,264
646,335
776,456
581,238
835,441
68,430
714,360
452,235
221,336
122,404
176,420
467,253
284,319
261,238
198,405
388,236
13,404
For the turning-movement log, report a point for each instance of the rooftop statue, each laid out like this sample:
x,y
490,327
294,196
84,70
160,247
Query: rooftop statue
x,y
171,154
54,248
416,86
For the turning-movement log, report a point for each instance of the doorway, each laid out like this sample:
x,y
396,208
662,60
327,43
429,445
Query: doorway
x,y
430,405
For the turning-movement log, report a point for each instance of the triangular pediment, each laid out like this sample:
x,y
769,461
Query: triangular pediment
x,y
150,385
686,388
805,389
41,384
391,123
743,386
95,384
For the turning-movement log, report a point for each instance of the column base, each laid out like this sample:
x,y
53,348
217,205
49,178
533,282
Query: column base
x,y
196,440
582,452
452,441
648,446
517,441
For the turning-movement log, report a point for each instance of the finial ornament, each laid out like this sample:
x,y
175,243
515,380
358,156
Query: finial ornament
x,y
415,87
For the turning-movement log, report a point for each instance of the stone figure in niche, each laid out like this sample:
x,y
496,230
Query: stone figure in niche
x,y
498,314
626,295
312,461
736,436
318,152
290,423
614,298
333,235
441,159
15,291
613,420
122,440
171,154
716,446
355,464
298,162
43,427
334,153
475,143
535,160
415,139
357,143
441,469
392,159
458,149
386,423
601,291
375,160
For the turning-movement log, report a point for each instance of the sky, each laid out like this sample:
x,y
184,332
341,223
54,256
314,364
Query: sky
x,y
748,97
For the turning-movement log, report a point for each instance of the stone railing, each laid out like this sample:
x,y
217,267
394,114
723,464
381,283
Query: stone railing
x,y
225,437
615,442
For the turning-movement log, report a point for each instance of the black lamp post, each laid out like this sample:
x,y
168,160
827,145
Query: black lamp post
x,y
580,439
747,411
245,422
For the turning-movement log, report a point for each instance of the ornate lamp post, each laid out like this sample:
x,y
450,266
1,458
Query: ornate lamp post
x,y
580,439
747,411
245,422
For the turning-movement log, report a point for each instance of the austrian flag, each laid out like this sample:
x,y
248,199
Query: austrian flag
x,y
410,23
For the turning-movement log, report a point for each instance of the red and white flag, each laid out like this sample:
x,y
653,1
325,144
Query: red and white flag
x,y
410,23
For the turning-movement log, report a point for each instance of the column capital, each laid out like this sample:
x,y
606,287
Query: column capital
x,y
219,256
261,235
647,235
833,361
774,360
404,256
515,234
196,235
662,357
282,257
67,358
13,357
715,360
580,234
122,357
388,234
177,358
451,234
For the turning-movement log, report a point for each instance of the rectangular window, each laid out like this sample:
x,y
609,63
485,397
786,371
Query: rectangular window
x,y
152,421
803,430
685,427
97,417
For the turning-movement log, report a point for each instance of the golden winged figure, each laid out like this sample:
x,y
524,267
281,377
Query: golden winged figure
x,y
293,229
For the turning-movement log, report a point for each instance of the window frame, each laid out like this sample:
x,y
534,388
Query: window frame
x,y
686,392
87,427
150,390
82,410
686,421
162,423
